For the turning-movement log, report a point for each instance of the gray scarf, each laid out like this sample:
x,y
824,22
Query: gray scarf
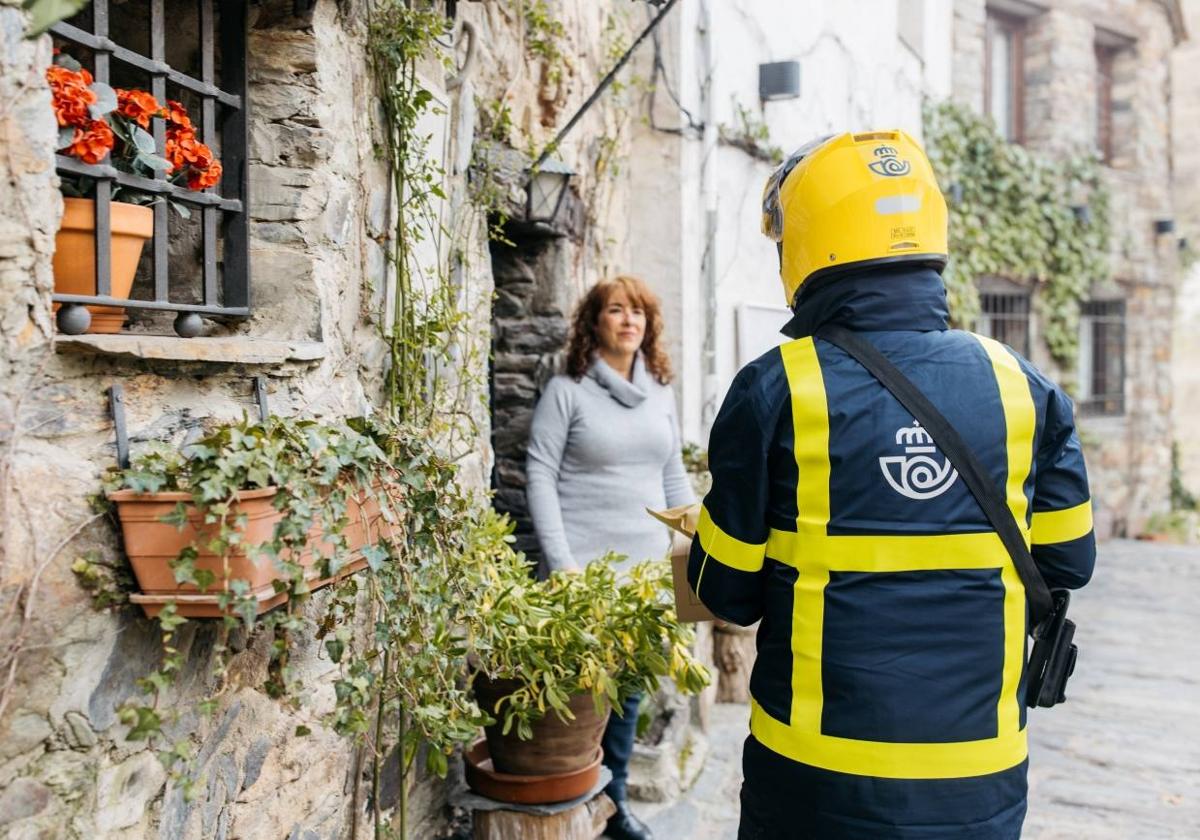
x,y
627,393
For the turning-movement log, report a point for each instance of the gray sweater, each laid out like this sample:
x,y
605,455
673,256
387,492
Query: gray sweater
x,y
601,451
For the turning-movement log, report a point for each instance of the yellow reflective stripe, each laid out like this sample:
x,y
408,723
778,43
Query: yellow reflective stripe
x,y
810,420
889,760
1020,423
888,552
728,550
1059,526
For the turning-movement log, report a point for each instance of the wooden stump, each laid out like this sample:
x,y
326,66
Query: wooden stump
x,y
734,651
585,821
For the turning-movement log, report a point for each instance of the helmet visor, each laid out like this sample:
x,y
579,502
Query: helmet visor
x,y
772,212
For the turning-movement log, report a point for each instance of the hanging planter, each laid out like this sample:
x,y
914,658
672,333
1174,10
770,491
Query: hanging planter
x,y
75,255
252,515
154,543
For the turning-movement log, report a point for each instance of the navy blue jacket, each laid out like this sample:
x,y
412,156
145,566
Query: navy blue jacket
x,y
891,651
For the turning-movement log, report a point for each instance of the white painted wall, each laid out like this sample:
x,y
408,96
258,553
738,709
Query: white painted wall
x,y
863,64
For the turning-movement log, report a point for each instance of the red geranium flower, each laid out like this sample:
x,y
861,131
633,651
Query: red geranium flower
x,y
202,179
71,94
183,150
92,143
177,115
138,106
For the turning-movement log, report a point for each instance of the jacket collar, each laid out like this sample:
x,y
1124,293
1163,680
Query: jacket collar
x,y
873,300
628,393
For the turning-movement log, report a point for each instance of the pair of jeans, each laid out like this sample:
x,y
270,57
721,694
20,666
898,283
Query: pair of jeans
x,y
618,746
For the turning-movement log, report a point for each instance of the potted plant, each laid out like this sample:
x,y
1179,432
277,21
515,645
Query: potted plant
x,y
250,514
97,122
555,656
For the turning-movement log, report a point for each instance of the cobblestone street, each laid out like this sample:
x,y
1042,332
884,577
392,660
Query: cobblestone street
x,y
1119,761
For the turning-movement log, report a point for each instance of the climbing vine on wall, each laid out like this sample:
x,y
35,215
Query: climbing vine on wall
x,y
424,318
1019,215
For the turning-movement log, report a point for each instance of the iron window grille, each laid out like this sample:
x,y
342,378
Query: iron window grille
x,y
1102,358
1005,317
224,291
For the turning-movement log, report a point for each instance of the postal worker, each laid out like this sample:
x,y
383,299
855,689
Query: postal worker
x,y
887,690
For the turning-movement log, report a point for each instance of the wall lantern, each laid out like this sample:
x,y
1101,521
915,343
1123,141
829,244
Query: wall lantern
x,y
546,189
1083,213
779,80
1162,226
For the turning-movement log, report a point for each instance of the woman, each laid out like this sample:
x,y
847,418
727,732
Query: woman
x,y
604,446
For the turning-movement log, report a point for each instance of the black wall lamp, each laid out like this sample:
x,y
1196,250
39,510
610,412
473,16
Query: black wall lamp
x,y
546,189
1164,226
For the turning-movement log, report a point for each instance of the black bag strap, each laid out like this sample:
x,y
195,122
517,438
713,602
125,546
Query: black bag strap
x,y
973,473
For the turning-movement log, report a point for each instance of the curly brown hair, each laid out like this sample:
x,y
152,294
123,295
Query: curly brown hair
x,y
583,341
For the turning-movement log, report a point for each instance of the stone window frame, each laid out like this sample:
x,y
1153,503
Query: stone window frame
x,y
1106,57
1015,25
225,291
1102,364
1115,58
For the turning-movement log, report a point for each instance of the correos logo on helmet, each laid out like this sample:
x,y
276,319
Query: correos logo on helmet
x,y
888,163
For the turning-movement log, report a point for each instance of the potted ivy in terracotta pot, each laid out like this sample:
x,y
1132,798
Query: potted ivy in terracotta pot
x,y
556,656
251,514
98,123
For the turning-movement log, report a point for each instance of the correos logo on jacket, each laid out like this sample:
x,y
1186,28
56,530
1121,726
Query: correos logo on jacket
x,y
917,474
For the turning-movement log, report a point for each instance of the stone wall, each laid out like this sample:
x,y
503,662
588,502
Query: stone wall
x,y
318,212
1129,455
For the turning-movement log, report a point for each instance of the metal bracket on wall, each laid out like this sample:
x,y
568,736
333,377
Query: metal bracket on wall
x,y
116,406
260,393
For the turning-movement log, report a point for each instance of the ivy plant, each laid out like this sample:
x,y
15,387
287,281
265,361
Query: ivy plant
x,y
1031,218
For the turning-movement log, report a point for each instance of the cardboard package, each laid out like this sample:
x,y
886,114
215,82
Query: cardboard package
x,y
682,521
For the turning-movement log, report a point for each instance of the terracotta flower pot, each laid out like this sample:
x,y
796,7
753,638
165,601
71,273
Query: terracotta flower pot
x,y
152,544
75,255
556,747
482,777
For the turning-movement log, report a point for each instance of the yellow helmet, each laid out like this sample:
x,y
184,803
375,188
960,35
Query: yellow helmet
x,y
851,201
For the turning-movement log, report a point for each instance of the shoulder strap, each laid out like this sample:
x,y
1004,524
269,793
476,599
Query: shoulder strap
x,y
973,473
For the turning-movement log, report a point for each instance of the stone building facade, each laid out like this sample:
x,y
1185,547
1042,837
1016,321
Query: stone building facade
x,y
319,213
1185,130
1067,50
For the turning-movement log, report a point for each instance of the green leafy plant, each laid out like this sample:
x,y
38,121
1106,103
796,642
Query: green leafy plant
x,y
544,35
1012,214
45,13
403,682
751,134
592,632
442,582
1182,498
